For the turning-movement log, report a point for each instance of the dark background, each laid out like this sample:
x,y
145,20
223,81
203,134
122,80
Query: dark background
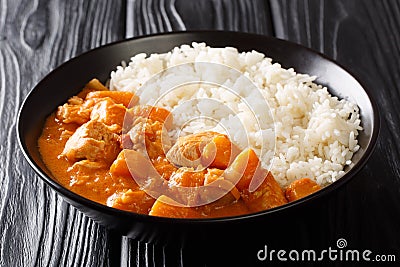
x,y
38,229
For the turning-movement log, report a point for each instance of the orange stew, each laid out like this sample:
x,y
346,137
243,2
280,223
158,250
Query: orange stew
x,y
105,147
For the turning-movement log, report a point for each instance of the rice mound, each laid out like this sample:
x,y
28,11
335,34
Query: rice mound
x,y
306,133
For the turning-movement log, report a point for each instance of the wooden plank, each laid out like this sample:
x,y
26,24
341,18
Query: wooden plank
x,y
155,16
238,15
362,36
36,227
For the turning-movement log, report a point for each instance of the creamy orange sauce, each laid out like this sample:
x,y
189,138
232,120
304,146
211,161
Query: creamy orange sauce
x,y
83,146
97,185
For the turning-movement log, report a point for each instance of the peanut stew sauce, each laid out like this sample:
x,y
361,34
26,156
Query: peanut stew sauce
x,y
69,148
96,185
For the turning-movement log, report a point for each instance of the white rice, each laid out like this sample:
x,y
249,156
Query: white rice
x,y
306,132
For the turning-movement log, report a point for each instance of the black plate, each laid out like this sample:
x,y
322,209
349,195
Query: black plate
x,y
70,77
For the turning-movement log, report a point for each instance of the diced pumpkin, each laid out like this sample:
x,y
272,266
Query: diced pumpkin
x,y
119,97
92,85
167,207
95,84
187,177
219,153
132,163
164,167
119,166
301,188
267,196
134,201
214,178
161,115
244,169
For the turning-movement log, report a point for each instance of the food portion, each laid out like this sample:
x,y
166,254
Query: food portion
x,y
105,159
199,150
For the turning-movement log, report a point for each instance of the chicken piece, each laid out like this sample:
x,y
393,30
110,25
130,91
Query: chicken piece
x,y
109,113
257,186
135,201
126,142
149,112
187,150
79,171
86,166
75,111
149,137
301,188
93,141
167,207
139,136
119,97
209,149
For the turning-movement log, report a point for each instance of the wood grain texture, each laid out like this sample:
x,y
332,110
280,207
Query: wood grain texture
x,y
36,227
156,16
239,15
363,36
152,16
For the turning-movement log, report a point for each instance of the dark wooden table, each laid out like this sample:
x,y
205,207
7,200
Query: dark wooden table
x,y
38,229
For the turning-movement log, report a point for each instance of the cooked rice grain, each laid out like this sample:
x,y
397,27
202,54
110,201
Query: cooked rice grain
x,y
313,132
